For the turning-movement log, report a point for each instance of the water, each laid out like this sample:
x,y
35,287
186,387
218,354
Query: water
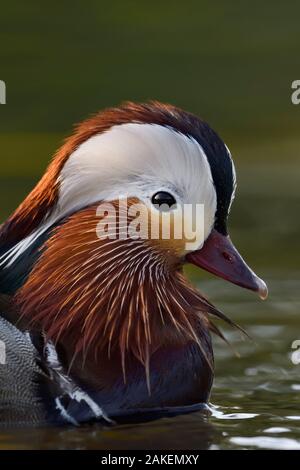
x,y
255,401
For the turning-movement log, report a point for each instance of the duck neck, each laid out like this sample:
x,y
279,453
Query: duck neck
x,y
110,298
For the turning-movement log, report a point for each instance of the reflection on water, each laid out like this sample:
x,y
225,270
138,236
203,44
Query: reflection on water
x,y
256,397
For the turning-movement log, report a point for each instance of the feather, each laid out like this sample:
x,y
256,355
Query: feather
x,y
98,297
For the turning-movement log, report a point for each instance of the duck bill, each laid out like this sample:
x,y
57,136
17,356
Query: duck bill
x,y
219,256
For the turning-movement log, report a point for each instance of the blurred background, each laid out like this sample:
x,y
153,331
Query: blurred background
x,y
233,64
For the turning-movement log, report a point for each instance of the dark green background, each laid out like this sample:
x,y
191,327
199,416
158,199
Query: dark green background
x,y
230,62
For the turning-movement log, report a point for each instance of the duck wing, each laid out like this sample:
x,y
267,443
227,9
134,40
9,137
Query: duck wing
x,y
20,377
35,388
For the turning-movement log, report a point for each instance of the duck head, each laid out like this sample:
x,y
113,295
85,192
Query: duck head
x,y
125,293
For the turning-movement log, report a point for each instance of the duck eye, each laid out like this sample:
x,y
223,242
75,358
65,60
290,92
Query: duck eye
x,y
163,200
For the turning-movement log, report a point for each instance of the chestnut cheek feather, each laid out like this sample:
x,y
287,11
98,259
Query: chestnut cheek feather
x,y
84,291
